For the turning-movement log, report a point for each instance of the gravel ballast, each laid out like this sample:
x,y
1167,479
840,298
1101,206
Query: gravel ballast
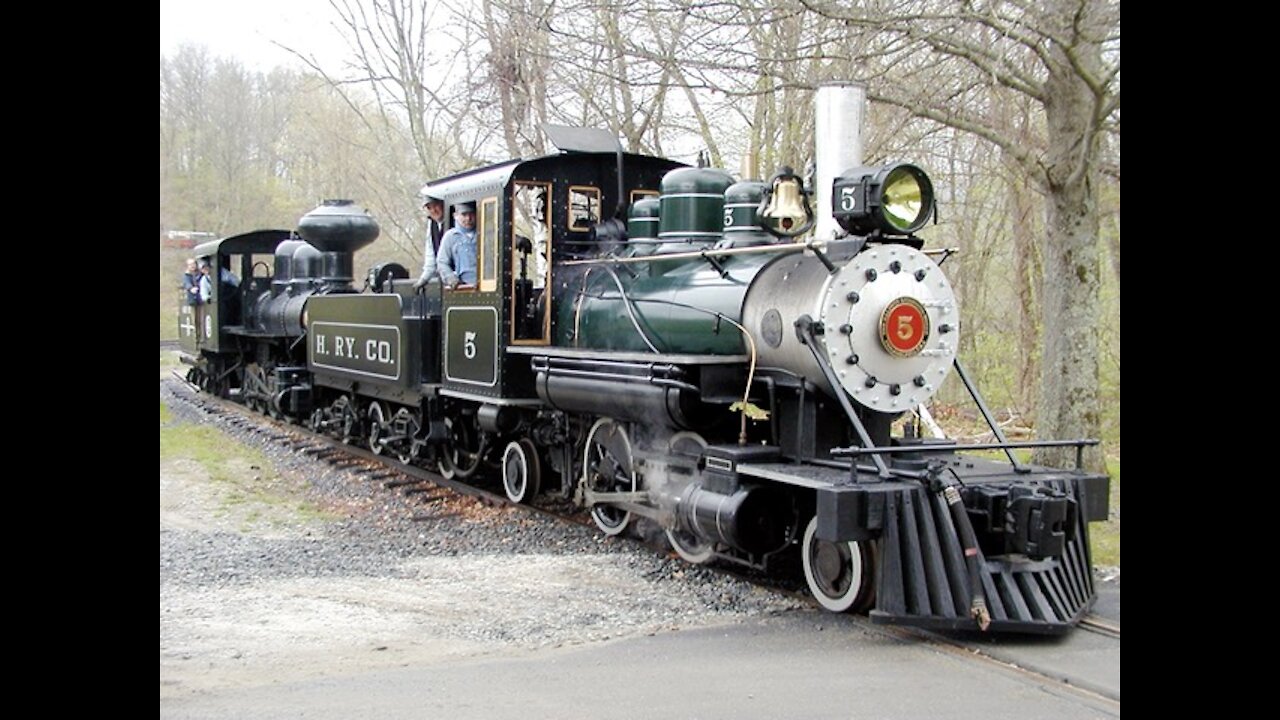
x,y
317,568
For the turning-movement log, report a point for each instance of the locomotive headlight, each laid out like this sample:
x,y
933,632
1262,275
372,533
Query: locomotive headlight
x,y
894,199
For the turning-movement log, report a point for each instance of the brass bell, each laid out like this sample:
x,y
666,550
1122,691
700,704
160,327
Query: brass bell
x,y
786,210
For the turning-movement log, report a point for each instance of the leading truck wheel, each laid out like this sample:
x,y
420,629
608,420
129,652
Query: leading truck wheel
x,y
690,547
841,575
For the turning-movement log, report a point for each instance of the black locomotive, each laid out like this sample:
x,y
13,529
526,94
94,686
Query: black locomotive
x,y
698,365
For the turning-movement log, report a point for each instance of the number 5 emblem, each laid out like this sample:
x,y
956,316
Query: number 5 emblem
x,y
904,327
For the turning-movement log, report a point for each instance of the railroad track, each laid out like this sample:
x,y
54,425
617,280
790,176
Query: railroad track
x,y
409,479
431,488
1101,626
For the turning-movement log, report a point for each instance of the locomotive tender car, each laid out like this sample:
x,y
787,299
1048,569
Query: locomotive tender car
x,y
729,364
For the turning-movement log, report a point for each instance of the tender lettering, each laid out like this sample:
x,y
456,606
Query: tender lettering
x,y
344,347
371,350
378,351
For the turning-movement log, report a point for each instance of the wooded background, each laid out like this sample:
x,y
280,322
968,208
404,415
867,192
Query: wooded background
x,y
1012,107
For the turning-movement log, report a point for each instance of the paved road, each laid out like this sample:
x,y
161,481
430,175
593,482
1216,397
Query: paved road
x,y
797,665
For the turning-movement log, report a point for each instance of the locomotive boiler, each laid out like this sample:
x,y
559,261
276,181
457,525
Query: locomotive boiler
x,y
739,362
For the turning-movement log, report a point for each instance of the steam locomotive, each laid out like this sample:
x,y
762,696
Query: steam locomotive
x,y
720,358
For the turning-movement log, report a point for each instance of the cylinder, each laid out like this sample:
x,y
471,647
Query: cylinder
x,y
754,519
838,144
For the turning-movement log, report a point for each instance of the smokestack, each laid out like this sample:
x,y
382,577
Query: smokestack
x,y
838,144
337,228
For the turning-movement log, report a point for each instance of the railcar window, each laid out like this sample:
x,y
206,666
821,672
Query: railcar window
x,y
530,262
489,244
584,207
642,194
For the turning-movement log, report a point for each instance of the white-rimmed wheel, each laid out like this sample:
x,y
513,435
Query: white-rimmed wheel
x,y
841,575
690,547
377,427
521,471
606,467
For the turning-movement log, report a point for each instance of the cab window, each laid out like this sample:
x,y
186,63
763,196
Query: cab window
x,y
530,262
488,232
584,207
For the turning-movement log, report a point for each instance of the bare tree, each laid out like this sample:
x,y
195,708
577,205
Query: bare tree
x,y
515,65
458,80
1063,57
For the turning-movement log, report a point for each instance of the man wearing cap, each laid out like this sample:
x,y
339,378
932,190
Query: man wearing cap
x,y
205,284
435,231
457,259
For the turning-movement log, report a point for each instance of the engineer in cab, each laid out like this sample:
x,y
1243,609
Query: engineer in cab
x,y
457,260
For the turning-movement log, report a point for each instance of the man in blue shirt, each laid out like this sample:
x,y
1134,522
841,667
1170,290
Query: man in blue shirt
x,y
457,260
204,283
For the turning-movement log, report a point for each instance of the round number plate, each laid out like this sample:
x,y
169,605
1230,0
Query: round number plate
x,y
904,327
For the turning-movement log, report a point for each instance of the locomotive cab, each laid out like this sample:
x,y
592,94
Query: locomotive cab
x,y
530,216
247,257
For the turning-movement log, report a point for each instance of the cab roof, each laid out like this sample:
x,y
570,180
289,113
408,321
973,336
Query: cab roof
x,y
255,242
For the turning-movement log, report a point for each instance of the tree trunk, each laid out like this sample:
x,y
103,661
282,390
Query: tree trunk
x,y
1026,269
1069,404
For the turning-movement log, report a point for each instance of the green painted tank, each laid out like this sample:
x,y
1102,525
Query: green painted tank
x,y
741,220
642,225
676,310
692,208
675,305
